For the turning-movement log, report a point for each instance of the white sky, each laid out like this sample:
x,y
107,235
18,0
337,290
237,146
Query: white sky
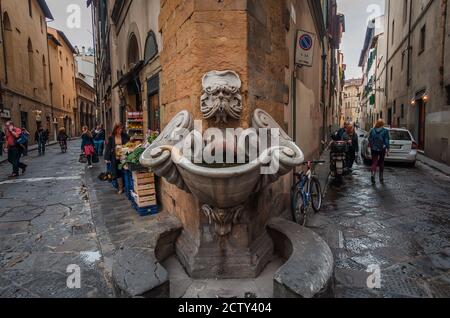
x,y
79,35
357,14
356,19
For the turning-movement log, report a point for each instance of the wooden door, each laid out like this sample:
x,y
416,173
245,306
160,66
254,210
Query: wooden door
x,y
422,118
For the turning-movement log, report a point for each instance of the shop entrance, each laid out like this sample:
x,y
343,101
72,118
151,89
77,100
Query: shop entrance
x,y
153,103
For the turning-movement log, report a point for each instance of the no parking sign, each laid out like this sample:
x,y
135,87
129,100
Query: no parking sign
x,y
305,48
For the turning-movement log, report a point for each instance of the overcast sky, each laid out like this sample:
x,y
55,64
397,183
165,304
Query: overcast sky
x,y
79,34
357,14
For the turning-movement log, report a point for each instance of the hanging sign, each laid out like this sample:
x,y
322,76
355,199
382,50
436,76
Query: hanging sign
x,y
305,48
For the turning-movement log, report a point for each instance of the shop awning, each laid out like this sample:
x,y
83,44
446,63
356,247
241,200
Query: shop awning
x,y
130,76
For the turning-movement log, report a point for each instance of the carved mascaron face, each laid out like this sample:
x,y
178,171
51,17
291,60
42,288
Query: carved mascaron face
x,y
221,98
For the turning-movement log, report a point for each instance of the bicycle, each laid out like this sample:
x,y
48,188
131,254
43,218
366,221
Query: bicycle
x,y
306,193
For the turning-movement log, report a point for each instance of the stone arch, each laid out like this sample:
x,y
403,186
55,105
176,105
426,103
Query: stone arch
x,y
133,52
151,47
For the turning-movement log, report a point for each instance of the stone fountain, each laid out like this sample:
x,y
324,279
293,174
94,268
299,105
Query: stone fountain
x,y
233,179
227,194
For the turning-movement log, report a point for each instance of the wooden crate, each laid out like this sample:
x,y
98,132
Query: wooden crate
x,y
144,187
144,201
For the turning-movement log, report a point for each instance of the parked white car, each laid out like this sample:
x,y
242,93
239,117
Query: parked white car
x,y
403,146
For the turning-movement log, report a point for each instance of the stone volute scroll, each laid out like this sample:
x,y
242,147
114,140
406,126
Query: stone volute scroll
x,y
221,97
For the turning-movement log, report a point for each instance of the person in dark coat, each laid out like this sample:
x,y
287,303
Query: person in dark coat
x,y
117,138
87,145
352,139
2,141
41,138
99,139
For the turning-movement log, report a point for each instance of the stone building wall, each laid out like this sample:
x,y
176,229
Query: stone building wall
x,y
198,36
27,89
424,72
62,66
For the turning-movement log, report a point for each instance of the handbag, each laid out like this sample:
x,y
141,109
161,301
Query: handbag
x,y
95,158
82,158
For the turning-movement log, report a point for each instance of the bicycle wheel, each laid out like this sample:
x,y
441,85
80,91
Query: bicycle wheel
x,y
315,191
298,208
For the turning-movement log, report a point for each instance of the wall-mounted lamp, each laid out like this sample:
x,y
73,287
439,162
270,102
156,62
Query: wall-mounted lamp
x,y
413,102
425,98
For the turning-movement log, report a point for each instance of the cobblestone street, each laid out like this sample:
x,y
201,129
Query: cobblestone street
x,y
402,226
45,226
49,220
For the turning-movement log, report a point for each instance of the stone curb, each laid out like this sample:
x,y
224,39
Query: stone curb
x,y
308,271
441,167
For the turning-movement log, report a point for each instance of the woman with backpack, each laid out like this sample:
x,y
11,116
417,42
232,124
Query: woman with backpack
x,y
87,145
14,141
379,142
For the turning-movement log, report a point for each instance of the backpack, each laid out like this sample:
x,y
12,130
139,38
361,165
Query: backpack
x,y
22,140
378,141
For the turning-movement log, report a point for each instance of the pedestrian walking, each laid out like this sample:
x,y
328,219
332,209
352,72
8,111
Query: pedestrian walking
x,y
112,155
25,145
379,142
41,139
87,145
14,143
99,139
352,139
47,133
62,139
2,141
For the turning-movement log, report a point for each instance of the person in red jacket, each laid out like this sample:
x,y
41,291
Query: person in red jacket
x,y
14,151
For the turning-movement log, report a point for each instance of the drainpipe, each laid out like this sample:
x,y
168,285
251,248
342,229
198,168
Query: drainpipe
x,y
4,46
324,113
52,126
4,59
444,5
408,72
387,69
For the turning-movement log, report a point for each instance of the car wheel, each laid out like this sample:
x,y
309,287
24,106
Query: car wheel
x,y
412,164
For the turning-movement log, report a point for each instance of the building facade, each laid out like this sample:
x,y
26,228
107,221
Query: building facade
x,y
418,72
370,62
350,102
62,85
86,110
128,43
86,113
25,92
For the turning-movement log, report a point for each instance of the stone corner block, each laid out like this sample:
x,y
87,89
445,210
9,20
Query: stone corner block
x,y
136,273
308,270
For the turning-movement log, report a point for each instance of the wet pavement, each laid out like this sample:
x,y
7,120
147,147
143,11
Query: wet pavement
x,y
50,220
46,226
391,239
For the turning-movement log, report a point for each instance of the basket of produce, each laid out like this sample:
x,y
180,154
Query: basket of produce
x,y
131,161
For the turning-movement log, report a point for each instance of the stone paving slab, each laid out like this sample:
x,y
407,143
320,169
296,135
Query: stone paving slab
x,y
45,226
402,227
